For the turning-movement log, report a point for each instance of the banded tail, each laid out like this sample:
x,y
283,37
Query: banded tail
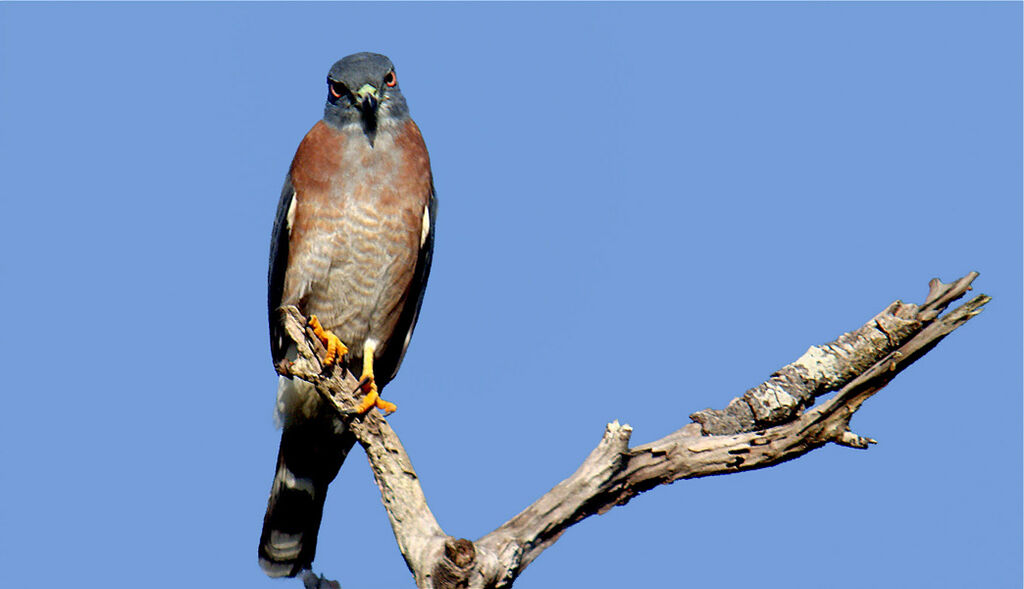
x,y
314,445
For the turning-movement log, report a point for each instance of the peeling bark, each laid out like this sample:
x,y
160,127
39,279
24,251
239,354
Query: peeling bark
x,y
770,423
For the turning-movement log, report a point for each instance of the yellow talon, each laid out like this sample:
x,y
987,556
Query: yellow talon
x,y
386,406
335,348
369,386
373,399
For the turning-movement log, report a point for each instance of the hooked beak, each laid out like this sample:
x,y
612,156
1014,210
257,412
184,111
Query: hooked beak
x,y
368,99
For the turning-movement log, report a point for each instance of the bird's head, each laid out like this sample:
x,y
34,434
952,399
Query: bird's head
x,y
363,88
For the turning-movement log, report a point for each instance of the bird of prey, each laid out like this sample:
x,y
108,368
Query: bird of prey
x,y
351,248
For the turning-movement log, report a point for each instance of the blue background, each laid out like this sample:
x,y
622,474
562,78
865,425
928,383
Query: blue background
x,y
680,196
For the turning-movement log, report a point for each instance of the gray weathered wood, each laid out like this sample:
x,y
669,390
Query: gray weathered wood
x,y
771,423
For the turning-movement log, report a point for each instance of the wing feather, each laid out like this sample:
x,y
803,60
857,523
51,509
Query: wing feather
x,y
279,242
389,362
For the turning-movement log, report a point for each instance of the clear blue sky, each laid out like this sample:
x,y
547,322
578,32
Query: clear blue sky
x,y
684,196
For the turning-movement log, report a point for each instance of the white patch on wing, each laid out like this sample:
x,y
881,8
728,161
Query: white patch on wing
x,y
426,225
290,217
405,345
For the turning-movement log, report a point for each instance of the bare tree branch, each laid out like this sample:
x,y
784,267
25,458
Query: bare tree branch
x,y
770,423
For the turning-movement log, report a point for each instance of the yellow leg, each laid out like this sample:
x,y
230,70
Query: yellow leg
x,y
369,386
335,348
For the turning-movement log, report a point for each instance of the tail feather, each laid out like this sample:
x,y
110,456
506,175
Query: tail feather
x,y
311,453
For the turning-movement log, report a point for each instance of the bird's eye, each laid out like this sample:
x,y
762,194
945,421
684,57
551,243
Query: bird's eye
x,y
390,80
337,89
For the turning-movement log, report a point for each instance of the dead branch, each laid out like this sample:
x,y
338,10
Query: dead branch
x,y
770,423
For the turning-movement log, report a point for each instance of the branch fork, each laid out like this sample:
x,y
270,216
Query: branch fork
x,y
773,422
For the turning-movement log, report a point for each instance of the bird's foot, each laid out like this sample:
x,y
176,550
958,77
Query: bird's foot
x,y
335,348
373,398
